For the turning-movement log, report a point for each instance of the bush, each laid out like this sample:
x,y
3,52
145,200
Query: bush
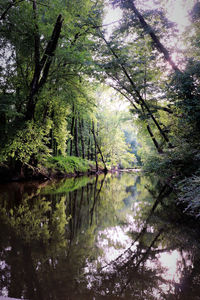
x,y
68,164
189,195
29,141
179,162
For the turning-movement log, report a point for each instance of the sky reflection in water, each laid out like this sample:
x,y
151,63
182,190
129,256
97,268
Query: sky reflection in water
x,y
115,241
115,236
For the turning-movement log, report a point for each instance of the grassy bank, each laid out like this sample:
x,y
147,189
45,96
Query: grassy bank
x,y
69,165
52,167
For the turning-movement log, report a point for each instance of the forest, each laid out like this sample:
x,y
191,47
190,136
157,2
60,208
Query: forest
x,y
75,99
99,149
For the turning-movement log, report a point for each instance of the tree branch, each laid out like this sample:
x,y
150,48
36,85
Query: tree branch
x,y
155,39
141,101
13,3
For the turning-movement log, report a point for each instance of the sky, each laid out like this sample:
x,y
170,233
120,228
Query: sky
x,y
177,11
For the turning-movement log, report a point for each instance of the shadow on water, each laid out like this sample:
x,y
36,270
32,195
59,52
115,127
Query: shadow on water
x,y
105,237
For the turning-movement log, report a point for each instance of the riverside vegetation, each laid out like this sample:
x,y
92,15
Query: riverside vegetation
x,y
59,69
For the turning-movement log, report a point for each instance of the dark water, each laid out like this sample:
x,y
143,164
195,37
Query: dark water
x,y
114,237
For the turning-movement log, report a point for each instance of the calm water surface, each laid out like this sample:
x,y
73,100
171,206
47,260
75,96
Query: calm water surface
x,y
115,237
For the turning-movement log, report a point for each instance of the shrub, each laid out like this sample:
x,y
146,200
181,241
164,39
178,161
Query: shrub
x,y
189,195
68,164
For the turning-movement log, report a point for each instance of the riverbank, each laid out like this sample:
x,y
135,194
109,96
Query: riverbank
x,y
55,167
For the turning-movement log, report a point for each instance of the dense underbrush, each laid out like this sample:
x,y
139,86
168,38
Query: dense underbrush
x,y
179,167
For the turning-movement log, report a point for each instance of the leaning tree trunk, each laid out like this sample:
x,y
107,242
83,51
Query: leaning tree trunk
x,y
42,65
95,147
139,100
155,39
99,149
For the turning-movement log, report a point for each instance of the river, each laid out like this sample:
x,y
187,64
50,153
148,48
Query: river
x,y
120,236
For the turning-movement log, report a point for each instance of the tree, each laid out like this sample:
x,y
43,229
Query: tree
x,y
130,63
43,62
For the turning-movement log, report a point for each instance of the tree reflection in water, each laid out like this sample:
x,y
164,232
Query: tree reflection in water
x,y
98,237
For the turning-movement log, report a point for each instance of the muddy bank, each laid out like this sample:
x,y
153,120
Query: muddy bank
x,y
28,172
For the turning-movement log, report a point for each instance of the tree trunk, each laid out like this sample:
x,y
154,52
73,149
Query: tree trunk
x,y
99,149
72,131
81,127
95,147
76,138
88,148
151,133
91,151
155,39
139,100
41,66
154,140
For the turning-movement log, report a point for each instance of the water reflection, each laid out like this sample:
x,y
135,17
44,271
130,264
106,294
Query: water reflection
x,y
119,236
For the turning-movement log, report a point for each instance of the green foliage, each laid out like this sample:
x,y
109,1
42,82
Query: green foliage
x,y
111,132
174,163
70,101
25,33
69,164
189,195
57,111
30,141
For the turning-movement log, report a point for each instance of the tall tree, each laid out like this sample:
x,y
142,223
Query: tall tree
x,y
45,49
